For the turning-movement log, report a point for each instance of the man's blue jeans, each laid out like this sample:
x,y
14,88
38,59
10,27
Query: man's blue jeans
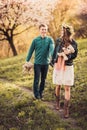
x,y
40,73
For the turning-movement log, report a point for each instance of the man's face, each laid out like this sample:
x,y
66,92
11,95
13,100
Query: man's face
x,y
43,31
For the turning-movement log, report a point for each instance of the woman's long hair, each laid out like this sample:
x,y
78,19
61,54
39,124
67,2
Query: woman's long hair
x,y
67,36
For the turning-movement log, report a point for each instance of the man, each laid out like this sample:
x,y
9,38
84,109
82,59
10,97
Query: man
x,y
43,47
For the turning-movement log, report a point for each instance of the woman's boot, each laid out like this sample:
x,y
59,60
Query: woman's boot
x,y
66,108
57,102
57,94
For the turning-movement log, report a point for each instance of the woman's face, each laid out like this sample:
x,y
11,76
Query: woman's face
x,y
63,32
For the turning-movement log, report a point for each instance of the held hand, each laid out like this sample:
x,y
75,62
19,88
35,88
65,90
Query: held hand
x,y
66,52
60,54
63,55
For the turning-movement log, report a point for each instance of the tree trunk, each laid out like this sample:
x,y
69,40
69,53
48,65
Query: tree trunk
x,y
10,39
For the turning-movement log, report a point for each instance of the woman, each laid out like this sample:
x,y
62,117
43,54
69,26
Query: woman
x,y
63,74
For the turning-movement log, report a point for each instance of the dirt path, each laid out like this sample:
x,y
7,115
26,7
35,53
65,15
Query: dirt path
x,y
72,122
27,90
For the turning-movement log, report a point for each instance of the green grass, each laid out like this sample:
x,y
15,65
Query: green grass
x,y
11,69
18,109
79,90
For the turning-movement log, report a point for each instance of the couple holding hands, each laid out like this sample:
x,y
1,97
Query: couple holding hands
x,y
60,56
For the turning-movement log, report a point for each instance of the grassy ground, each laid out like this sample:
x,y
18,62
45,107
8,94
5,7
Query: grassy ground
x,y
18,109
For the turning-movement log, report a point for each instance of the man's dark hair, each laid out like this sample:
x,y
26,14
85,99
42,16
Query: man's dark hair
x,y
43,25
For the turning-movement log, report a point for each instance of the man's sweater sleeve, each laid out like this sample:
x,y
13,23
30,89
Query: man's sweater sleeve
x,y
30,52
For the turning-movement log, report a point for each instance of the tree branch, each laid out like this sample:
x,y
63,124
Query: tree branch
x,y
3,39
22,31
1,33
2,30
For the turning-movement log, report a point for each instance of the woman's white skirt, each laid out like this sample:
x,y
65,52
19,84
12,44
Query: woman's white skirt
x,y
64,77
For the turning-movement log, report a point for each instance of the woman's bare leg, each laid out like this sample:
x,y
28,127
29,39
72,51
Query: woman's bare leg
x,y
57,94
66,102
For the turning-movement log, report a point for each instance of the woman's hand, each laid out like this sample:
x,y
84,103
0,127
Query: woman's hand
x,y
66,51
63,55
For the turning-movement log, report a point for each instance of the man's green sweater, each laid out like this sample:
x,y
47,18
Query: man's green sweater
x,y
43,48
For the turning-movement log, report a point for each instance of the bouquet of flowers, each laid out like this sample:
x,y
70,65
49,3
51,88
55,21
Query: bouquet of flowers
x,y
27,68
69,50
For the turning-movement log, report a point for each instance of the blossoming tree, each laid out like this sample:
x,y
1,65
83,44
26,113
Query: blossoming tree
x,y
14,13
